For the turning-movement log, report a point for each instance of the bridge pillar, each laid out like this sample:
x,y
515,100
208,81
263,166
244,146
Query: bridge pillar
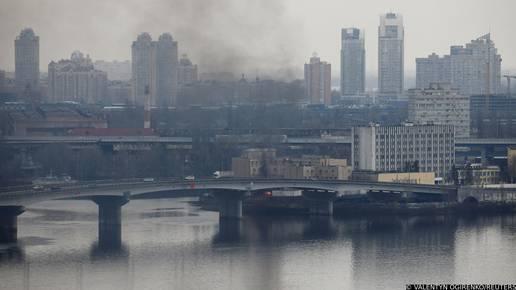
x,y
229,203
320,202
110,220
9,223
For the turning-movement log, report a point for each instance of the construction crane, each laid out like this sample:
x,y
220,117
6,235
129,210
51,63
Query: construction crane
x,y
509,77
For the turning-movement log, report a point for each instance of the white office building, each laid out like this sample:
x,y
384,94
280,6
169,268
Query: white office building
x,y
439,104
430,148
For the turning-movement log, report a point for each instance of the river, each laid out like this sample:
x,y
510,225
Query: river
x,y
171,244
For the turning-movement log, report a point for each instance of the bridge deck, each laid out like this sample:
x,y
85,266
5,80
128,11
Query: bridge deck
x,y
136,187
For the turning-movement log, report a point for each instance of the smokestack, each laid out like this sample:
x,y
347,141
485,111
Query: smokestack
x,y
146,108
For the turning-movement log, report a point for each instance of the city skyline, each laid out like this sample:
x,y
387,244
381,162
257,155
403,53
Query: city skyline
x,y
292,39
257,144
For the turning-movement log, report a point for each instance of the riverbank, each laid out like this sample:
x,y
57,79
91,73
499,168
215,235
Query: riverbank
x,y
297,205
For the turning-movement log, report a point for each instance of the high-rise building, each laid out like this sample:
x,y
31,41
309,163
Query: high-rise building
x,y
390,54
318,81
422,148
352,62
433,69
26,50
187,72
166,65
154,66
474,69
143,68
76,79
439,104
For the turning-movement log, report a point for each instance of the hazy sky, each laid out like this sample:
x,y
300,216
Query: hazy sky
x,y
268,37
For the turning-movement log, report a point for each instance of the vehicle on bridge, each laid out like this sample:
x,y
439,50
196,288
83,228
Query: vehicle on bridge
x,y
38,187
51,182
223,174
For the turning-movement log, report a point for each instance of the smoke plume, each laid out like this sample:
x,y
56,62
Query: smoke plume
x,y
256,37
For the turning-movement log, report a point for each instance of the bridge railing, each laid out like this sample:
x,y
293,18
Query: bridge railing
x,y
136,182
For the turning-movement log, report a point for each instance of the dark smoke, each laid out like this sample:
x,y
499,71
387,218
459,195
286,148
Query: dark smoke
x,y
238,36
248,36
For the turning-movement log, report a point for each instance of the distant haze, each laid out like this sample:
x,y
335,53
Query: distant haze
x,y
269,38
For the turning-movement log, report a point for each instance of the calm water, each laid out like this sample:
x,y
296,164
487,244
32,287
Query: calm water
x,y
169,244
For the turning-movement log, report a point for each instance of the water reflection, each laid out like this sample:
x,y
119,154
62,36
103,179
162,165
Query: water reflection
x,y
11,253
109,251
508,224
320,228
274,230
229,231
418,248
191,249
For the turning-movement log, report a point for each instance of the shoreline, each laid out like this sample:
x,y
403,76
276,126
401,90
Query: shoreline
x,y
296,206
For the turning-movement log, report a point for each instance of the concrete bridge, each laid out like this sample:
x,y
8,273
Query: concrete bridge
x,y
111,195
